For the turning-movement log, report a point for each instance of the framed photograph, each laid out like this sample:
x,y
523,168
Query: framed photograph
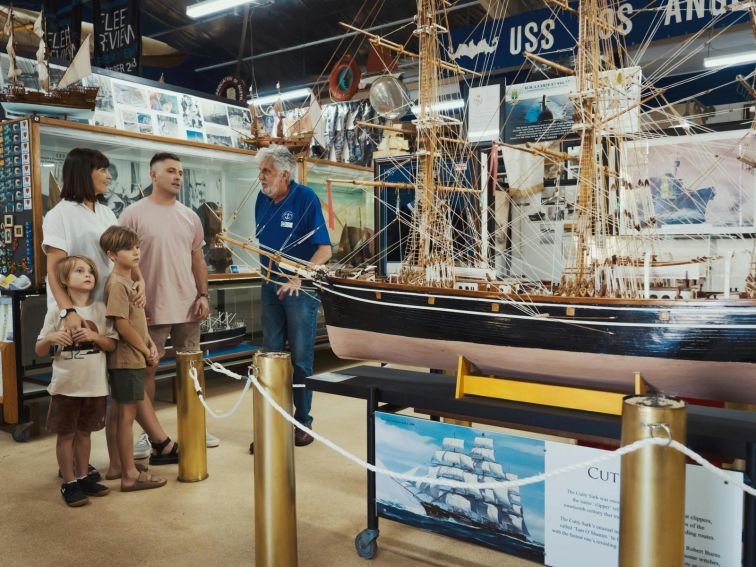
x,y
697,184
570,171
8,220
18,231
8,235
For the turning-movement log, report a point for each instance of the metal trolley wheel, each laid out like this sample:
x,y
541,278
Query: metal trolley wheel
x,y
366,543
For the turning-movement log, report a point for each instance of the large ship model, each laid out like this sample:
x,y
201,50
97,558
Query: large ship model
x,y
615,309
601,322
67,97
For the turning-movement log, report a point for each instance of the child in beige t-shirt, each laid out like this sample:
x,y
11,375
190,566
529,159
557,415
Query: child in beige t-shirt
x,y
135,350
79,386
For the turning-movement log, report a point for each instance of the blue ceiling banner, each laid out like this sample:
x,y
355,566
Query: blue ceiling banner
x,y
500,44
118,38
62,28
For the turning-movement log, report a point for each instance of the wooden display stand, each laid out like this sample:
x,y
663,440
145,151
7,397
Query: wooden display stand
x,y
569,397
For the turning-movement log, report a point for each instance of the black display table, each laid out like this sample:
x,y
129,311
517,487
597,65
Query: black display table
x,y
717,432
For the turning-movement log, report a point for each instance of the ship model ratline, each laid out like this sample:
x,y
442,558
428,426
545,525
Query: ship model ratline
x,y
621,303
67,98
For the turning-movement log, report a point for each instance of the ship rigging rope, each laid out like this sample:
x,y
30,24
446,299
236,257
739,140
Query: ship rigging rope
x,y
251,378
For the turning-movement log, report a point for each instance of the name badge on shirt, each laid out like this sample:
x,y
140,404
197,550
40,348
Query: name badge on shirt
x,y
286,220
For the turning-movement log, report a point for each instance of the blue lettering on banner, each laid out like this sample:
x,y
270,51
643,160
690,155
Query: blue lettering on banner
x,y
547,30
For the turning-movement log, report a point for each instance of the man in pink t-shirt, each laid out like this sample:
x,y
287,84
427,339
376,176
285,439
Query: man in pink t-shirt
x,y
173,267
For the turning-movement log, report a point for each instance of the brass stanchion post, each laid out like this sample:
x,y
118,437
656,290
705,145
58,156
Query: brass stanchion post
x,y
275,504
652,487
191,419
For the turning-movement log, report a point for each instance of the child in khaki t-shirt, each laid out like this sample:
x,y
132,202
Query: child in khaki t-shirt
x,y
134,352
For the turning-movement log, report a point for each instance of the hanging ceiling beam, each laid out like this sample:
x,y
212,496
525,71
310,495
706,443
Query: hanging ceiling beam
x,y
328,39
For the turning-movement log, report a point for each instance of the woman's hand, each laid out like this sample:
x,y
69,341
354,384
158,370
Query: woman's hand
x,y
141,296
85,335
60,338
72,322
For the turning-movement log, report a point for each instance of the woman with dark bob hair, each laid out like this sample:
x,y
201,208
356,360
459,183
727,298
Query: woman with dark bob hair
x,y
74,226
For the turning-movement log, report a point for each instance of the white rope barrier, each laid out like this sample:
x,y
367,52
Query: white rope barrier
x,y
661,442
201,396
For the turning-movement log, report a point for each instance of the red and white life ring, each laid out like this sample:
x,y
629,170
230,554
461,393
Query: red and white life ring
x,y
233,88
344,79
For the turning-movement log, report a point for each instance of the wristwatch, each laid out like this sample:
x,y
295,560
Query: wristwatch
x,y
203,295
64,312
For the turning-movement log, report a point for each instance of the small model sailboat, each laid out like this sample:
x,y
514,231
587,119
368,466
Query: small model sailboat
x,y
67,98
297,137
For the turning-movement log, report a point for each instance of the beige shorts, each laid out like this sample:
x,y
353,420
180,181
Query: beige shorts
x,y
185,337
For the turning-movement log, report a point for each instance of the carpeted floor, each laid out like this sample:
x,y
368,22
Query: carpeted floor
x,y
211,522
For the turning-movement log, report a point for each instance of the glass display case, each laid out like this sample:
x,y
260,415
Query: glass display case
x,y
220,184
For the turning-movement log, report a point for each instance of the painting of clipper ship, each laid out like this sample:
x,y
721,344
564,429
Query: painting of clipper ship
x,y
499,518
67,98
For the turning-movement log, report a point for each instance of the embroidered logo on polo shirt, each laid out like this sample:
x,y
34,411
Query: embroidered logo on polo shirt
x,y
286,219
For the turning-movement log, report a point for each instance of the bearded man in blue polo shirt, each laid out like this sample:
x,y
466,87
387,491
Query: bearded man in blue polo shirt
x,y
290,220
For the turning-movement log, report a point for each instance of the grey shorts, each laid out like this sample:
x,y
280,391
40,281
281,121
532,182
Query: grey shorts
x,y
126,384
185,337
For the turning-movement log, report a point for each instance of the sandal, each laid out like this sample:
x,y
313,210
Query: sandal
x,y
139,466
144,481
160,458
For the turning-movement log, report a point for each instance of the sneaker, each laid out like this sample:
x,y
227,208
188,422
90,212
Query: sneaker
x,y
211,440
92,473
142,447
302,439
73,494
93,488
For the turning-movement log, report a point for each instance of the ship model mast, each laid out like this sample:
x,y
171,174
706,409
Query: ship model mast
x,y
593,225
429,259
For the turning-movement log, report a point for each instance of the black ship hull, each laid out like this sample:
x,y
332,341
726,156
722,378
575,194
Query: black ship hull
x,y
438,512
696,348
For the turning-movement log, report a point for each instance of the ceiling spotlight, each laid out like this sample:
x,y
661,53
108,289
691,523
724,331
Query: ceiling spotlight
x,y
288,95
201,9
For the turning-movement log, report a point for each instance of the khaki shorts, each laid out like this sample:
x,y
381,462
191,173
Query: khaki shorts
x,y
185,337
69,414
